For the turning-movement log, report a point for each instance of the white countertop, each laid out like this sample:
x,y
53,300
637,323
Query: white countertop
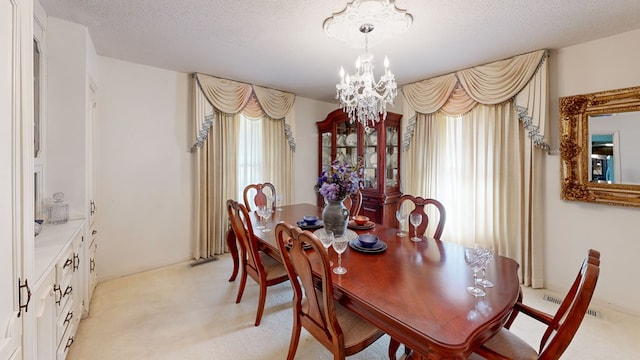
x,y
52,240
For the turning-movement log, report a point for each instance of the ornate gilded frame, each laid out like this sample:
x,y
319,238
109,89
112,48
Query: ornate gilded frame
x,y
574,146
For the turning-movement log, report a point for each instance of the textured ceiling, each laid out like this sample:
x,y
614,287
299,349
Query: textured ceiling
x,y
281,43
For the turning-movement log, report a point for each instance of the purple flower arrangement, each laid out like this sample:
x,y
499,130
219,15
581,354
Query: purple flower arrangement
x,y
341,181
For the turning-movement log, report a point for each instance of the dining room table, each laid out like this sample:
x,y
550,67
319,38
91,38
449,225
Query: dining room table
x,y
413,291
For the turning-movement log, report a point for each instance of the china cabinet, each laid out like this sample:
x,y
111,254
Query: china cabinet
x,y
376,151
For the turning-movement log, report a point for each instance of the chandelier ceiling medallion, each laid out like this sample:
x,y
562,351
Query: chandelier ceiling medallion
x,y
360,95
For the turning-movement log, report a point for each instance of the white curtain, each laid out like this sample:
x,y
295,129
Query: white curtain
x,y
249,170
476,145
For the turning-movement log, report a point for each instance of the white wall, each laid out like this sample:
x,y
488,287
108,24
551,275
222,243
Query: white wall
x,y
305,159
573,227
65,113
145,174
144,171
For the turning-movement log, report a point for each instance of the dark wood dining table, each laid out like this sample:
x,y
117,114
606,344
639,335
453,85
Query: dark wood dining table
x,y
416,291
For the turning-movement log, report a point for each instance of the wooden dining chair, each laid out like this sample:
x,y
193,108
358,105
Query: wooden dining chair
x,y
353,203
255,195
340,330
261,267
561,327
419,205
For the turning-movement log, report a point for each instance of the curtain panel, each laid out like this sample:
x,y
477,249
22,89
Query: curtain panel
x,y
464,146
218,105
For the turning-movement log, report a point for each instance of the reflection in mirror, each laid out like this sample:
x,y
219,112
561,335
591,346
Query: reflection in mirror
x,y
616,135
605,159
599,147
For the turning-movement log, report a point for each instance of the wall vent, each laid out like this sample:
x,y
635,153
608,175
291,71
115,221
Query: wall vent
x,y
555,300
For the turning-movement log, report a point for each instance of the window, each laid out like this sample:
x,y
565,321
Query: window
x,y
250,149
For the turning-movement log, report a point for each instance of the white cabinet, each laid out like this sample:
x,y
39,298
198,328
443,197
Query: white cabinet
x,y
70,117
16,175
91,259
45,309
69,295
60,255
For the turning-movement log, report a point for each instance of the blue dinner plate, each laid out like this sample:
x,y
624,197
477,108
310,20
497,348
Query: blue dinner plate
x,y
304,226
305,246
379,247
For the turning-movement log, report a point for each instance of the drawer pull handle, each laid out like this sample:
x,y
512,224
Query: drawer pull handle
x,y
94,232
20,287
68,290
56,289
68,317
69,343
69,262
76,264
92,265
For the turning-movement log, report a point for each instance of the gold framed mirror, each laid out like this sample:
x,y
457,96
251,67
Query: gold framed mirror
x,y
599,147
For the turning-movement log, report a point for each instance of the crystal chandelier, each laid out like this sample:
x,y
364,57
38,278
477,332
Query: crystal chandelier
x,y
360,96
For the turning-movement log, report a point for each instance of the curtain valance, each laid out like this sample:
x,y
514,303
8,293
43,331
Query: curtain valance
x,y
231,97
522,77
276,104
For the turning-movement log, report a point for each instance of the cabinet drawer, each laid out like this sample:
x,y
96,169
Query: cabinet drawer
x,y
63,292
93,278
64,321
64,267
65,343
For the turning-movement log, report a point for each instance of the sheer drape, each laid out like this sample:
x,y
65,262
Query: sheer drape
x,y
249,166
278,159
474,148
218,106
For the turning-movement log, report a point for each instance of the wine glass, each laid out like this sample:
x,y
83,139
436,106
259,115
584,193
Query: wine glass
x,y
472,258
264,212
260,226
416,220
401,220
326,238
486,255
279,201
340,245
271,201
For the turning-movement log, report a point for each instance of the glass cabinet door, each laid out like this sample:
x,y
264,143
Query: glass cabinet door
x,y
392,151
347,143
326,151
370,154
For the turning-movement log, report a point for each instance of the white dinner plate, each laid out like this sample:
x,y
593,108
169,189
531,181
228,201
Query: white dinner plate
x,y
373,159
352,140
326,139
373,139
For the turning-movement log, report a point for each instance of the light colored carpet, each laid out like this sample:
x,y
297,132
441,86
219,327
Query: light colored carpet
x,y
184,312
